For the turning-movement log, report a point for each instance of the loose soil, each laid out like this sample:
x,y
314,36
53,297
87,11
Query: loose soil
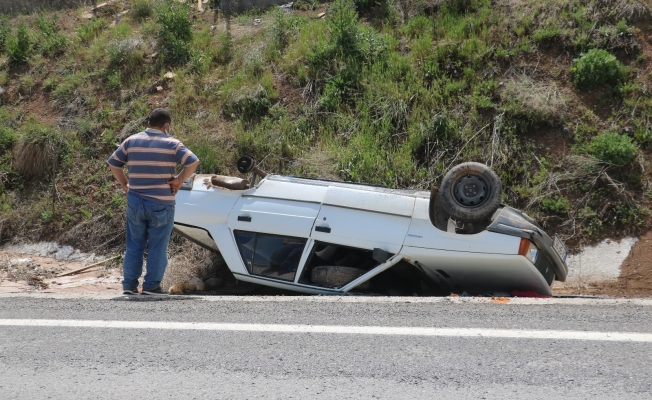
x,y
34,274
635,276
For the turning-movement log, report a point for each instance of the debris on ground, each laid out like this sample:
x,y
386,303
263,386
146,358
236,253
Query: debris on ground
x,y
195,284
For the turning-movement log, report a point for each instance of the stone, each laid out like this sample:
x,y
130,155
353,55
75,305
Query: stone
x,y
213,283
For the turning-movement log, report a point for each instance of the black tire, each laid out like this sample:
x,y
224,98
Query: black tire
x,y
471,192
246,164
336,276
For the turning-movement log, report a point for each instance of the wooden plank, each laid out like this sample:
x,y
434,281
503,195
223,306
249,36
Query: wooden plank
x,y
87,267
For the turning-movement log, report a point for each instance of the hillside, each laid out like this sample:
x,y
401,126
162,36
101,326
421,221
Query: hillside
x,y
554,95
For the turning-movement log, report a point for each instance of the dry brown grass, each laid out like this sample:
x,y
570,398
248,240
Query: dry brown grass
x,y
542,101
188,260
34,158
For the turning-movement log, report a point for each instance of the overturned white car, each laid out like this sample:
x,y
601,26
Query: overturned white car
x,y
326,237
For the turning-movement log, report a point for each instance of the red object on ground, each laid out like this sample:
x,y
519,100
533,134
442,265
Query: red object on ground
x,y
530,293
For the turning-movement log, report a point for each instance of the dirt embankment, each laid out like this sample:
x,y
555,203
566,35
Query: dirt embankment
x,y
635,278
24,273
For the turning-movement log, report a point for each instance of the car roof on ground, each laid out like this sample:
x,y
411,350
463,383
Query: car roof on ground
x,y
348,185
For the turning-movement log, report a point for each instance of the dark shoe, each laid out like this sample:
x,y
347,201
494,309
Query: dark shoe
x,y
130,292
157,290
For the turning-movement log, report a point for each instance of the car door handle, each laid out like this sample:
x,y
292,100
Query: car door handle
x,y
324,229
244,218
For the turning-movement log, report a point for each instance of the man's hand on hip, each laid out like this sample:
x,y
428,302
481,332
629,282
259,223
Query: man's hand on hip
x,y
175,184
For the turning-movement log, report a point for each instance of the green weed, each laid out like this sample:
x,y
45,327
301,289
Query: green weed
x,y
282,29
225,49
142,9
90,30
46,216
51,42
613,148
19,45
247,103
4,32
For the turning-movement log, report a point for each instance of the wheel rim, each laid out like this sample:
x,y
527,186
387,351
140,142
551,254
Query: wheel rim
x,y
471,191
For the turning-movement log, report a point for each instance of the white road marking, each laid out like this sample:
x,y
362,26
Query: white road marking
x,y
334,329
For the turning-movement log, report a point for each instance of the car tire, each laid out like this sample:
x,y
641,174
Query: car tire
x,y
336,276
470,192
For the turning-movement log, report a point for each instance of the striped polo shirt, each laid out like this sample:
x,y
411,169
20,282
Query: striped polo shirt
x,y
151,158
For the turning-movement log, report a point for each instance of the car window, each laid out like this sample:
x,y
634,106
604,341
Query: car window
x,y
197,235
342,264
268,255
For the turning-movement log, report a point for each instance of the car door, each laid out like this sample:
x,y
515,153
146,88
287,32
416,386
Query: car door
x,y
271,234
364,219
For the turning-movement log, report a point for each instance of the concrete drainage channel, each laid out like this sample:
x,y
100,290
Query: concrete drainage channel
x,y
596,264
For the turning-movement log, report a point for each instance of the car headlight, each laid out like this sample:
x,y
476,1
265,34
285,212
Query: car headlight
x,y
528,250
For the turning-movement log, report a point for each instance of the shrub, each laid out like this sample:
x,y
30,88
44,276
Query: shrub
x,y
343,27
281,29
557,205
142,9
19,46
596,67
7,138
175,35
613,148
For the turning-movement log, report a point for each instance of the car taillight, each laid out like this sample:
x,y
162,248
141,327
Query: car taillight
x,y
528,250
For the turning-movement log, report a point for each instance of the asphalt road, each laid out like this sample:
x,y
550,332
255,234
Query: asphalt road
x,y
40,362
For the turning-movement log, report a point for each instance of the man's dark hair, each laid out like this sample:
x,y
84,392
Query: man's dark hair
x,y
159,117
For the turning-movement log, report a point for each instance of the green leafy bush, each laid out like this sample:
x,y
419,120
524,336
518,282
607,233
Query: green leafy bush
x,y
613,148
175,35
557,205
596,67
19,45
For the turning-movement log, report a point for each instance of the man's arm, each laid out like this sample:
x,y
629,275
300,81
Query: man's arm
x,y
187,171
120,176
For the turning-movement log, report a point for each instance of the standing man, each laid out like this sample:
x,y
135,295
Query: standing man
x,y
151,157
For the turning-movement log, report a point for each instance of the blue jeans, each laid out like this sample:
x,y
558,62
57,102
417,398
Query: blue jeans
x,y
148,224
